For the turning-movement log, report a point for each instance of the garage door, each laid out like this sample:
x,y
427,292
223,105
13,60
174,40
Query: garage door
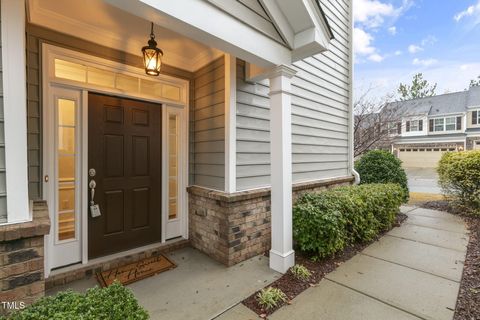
x,y
421,157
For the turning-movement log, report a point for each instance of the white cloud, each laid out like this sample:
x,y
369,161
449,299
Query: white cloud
x,y
392,30
376,57
372,13
414,48
424,63
471,11
362,42
398,52
429,40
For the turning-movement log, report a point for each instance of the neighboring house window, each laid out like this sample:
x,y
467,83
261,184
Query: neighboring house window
x,y
445,124
476,117
438,124
395,128
414,125
450,124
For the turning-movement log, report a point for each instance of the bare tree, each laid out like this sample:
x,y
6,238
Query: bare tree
x,y
376,123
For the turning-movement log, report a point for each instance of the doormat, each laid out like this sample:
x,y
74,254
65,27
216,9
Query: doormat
x,y
135,271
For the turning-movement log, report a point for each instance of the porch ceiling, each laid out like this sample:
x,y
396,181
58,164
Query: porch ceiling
x,y
107,25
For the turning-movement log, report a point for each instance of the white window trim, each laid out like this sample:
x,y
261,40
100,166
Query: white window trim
x,y
15,110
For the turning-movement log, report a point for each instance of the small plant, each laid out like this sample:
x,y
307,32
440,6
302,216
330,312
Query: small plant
x,y
300,272
269,298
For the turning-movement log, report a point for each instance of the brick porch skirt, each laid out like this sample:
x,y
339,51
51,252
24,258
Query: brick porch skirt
x,y
21,260
232,228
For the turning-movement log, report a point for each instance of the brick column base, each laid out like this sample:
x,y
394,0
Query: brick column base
x,y
21,260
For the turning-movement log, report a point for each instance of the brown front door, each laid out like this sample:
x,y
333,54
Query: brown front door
x,y
124,148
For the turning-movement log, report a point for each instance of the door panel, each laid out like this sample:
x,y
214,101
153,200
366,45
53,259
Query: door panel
x,y
124,139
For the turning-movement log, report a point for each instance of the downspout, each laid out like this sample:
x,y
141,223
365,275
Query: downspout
x,y
351,119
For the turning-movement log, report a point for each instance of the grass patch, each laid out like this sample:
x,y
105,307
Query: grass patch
x,y
418,197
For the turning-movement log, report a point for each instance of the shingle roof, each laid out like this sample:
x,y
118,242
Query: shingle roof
x,y
473,97
442,104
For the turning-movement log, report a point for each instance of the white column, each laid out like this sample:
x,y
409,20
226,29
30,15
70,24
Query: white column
x,y
282,256
15,109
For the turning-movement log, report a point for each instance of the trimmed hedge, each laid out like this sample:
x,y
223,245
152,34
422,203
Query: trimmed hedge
x,y
380,166
459,177
114,303
326,222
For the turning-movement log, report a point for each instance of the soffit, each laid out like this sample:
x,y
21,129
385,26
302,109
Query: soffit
x,y
102,23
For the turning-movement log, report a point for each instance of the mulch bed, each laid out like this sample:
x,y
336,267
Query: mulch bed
x,y
468,302
292,287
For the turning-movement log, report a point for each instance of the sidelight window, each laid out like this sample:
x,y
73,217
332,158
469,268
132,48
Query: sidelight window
x,y
172,166
66,146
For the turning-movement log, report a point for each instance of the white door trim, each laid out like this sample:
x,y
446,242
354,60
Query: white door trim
x,y
49,53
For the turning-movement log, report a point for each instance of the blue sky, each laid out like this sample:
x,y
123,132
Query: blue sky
x,y
394,39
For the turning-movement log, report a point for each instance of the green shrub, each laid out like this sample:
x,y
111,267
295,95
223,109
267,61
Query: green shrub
x,y
114,303
319,225
325,222
300,272
379,166
270,297
459,177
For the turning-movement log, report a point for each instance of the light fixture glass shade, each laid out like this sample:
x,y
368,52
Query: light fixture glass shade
x,y
152,56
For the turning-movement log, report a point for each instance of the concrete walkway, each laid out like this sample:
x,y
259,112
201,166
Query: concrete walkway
x,y
413,272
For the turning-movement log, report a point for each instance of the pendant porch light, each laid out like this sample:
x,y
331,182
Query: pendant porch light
x,y
152,56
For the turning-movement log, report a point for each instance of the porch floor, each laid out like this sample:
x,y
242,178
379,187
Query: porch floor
x,y
199,288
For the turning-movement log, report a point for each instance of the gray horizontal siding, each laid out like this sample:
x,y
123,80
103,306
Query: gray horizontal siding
x,y
320,104
209,126
3,189
253,133
320,113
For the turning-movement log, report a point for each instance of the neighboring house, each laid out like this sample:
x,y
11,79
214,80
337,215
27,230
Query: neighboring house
x,y
254,98
431,126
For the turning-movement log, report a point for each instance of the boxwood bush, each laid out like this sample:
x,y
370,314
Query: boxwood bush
x,y
326,222
459,178
113,303
379,166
